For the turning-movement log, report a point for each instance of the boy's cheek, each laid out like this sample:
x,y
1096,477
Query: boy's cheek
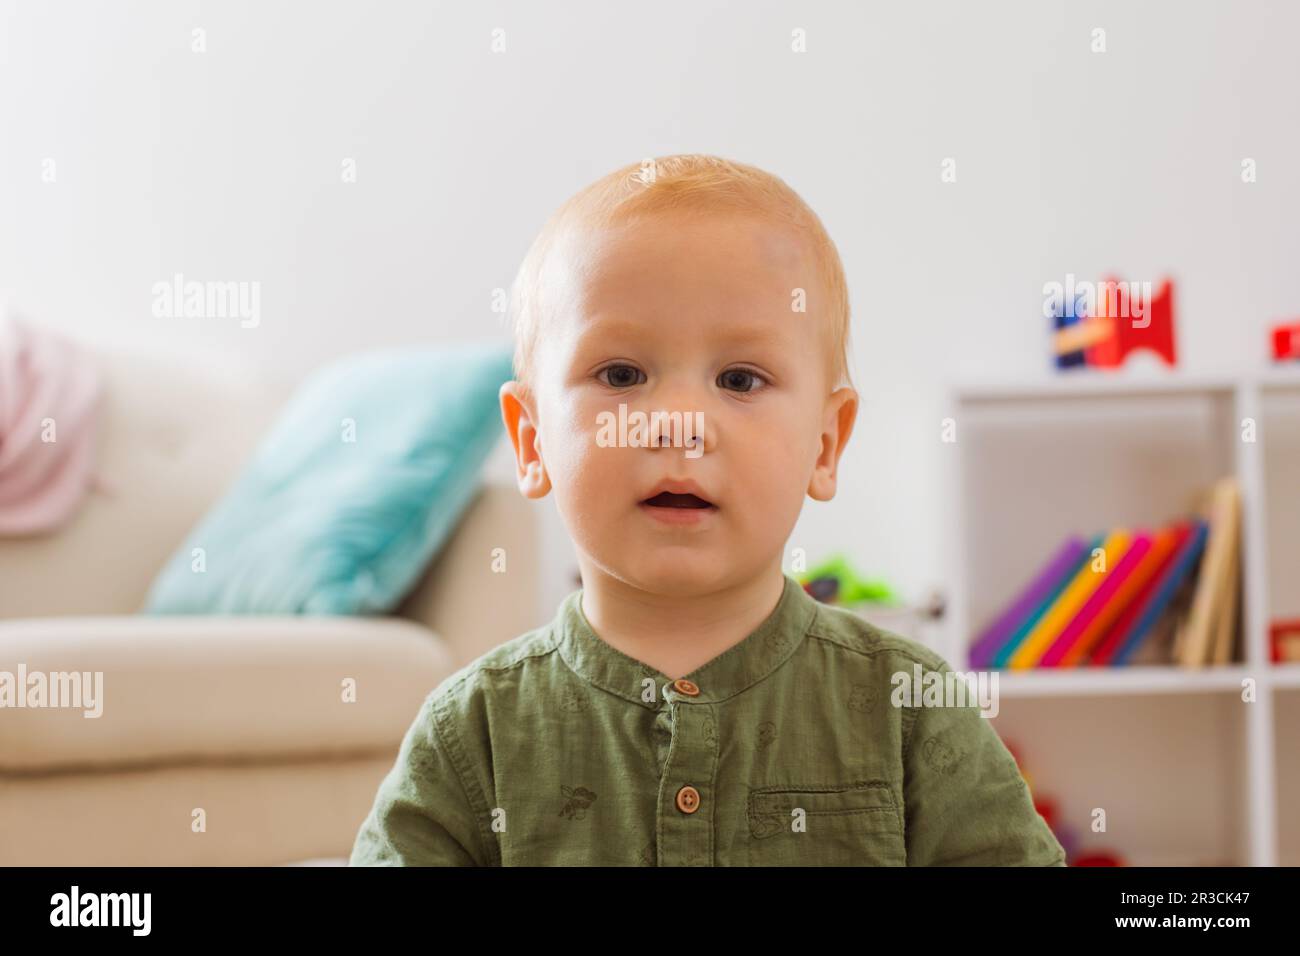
x,y
583,470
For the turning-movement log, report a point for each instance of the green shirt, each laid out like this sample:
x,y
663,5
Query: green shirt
x,y
786,749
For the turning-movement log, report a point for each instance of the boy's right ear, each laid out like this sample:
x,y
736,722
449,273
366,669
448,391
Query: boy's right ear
x,y
519,412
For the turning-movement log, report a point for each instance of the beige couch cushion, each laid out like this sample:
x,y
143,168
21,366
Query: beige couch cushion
x,y
186,688
255,814
172,437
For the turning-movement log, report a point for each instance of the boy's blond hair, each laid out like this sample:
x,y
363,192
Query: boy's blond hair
x,y
686,182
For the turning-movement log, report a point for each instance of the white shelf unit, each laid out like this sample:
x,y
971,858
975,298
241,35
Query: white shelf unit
x,y
1187,772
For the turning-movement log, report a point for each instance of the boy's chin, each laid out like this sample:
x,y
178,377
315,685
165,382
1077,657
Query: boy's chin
x,y
682,576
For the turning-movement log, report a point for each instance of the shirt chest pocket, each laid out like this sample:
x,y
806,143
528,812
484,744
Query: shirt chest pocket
x,y
856,824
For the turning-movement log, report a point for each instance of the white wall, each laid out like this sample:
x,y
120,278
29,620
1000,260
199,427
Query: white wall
x,y
226,165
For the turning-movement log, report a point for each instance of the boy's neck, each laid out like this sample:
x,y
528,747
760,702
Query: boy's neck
x,y
674,635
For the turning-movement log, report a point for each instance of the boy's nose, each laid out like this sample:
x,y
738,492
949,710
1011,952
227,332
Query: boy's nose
x,y
689,429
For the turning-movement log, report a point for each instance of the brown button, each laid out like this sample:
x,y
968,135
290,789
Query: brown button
x,y
688,799
684,686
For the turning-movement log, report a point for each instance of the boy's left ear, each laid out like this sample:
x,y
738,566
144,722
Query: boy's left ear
x,y
841,412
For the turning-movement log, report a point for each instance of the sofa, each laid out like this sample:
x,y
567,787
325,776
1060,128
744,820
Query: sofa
x,y
223,740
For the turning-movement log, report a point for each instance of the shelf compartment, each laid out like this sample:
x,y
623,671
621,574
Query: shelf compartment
x,y
1169,770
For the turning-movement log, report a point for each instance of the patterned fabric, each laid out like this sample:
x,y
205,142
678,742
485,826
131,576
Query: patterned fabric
x,y
787,749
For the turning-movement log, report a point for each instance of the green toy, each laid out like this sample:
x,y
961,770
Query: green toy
x,y
834,581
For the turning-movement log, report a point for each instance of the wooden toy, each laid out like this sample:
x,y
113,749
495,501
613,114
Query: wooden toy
x,y
1063,319
1113,330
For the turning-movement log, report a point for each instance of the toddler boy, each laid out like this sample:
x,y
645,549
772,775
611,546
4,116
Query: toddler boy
x,y
691,704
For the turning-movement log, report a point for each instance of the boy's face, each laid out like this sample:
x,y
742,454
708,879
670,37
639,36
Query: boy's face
x,y
693,315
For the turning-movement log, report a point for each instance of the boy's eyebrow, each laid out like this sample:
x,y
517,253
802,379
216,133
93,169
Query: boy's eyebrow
x,y
764,333
611,326
759,333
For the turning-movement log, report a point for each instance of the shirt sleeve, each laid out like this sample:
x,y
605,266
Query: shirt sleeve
x,y
422,814
966,803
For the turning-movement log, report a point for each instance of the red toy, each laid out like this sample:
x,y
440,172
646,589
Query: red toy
x,y
1286,342
1113,331
1154,330
1284,641
1049,810
1099,859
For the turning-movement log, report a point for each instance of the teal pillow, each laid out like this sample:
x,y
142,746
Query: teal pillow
x,y
352,492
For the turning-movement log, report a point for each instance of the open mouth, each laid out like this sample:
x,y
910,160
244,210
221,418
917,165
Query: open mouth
x,y
667,499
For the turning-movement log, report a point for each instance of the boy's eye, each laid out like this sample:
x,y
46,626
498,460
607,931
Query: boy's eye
x,y
736,379
740,380
620,376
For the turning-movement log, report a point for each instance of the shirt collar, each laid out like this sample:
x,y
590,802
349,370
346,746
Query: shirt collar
x,y
765,649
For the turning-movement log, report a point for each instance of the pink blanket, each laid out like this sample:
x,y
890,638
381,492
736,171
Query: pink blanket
x,y
50,394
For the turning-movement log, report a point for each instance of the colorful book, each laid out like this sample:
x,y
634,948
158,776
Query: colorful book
x,y
1127,596
1042,589
1101,608
1230,595
1003,656
1183,564
1071,601
1119,632
1216,576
